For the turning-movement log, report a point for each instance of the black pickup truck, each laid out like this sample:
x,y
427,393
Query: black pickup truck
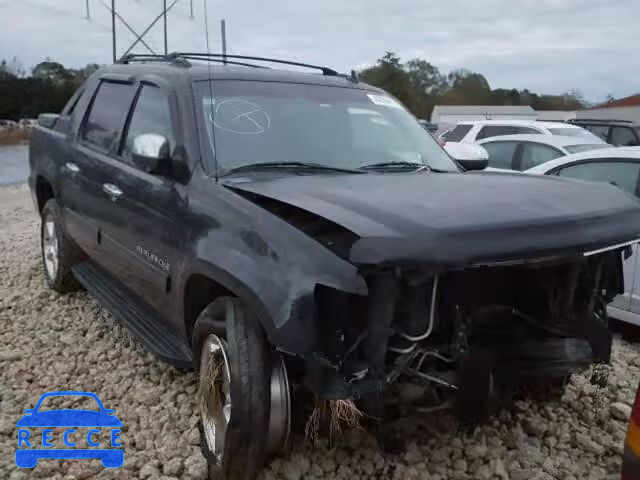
x,y
266,226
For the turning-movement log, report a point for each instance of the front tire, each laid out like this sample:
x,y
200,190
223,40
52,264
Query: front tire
x,y
234,389
59,253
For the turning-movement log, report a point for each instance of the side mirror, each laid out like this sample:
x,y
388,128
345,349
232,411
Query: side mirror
x,y
48,120
28,410
469,156
151,152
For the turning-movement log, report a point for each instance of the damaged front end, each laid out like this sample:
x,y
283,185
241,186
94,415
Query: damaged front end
x,y
493,323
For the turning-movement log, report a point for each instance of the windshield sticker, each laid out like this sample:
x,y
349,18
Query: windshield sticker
x,y
237,115
384,101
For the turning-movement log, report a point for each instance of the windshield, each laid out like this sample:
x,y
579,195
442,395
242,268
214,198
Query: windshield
x,y
249,123
572,132
586,148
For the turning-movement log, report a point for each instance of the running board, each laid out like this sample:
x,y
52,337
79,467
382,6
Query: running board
x,y
137,317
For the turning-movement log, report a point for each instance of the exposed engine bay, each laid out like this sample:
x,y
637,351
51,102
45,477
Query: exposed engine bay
x,y
466,331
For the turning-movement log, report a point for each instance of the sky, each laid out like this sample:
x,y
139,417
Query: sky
x,y
547,46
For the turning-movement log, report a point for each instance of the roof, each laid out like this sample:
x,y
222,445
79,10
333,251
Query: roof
x,y
516,122
553,140
484,109
613,152
204,71
632,101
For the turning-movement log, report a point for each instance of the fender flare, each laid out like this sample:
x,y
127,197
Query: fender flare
x,y
231,283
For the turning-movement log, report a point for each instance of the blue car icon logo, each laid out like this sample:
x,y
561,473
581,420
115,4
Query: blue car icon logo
x,y
70,419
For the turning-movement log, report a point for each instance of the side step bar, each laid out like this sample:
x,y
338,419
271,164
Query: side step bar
x,y
137,317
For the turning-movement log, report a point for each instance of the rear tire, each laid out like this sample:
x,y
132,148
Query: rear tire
x,y
248,357
59,253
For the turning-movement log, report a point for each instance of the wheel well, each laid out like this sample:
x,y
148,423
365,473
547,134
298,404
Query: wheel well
x,y
44,192
199,292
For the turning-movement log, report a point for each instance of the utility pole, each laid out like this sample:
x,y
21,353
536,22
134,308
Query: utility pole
x,y
88,16
113,27
191,9
166,44
223,31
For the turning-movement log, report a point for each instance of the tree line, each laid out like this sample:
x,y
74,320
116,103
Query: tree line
x,y
421,86
417,83
47,88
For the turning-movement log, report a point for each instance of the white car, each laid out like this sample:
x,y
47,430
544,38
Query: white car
x,y
620,167
27,123
522,152
472,131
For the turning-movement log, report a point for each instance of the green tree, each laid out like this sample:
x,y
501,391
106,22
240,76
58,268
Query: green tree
x,y
53,72
389,74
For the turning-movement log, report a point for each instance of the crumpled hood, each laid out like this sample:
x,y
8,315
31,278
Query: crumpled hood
x,y
444,220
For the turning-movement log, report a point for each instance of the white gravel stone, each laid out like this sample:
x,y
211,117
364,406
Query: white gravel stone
x,y
621,411
53,342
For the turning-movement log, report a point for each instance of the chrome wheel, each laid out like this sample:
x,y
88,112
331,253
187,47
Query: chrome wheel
x,y
215,394
50,250
280,415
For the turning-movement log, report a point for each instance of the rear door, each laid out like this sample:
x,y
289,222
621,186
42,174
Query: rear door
x,y
83,174
624,174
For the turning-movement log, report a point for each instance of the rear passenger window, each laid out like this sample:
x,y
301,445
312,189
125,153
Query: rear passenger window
x,y
601,131
496,130
73,101
107,115
623,137
458,133
527,131
501,154
150,115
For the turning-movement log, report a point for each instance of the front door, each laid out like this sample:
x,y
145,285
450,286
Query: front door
x,y
141,239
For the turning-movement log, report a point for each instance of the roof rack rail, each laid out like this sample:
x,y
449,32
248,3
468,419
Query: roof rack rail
x,y
148,57
600,120
224,57
182,59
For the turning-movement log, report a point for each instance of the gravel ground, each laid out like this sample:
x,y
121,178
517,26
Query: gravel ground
x,y
49,342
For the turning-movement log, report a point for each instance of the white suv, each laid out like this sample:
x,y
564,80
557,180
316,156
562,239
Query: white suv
x,y
472,131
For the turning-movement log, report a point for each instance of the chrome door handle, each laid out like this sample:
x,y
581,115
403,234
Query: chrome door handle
x,y
72,167
111,190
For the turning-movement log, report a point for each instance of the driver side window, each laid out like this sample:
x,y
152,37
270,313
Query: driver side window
x,y
151,114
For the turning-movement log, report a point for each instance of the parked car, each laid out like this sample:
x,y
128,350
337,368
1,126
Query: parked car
x,y
522,152
27,123
473,131
621,133
7,124
631,455
253,222
620,167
